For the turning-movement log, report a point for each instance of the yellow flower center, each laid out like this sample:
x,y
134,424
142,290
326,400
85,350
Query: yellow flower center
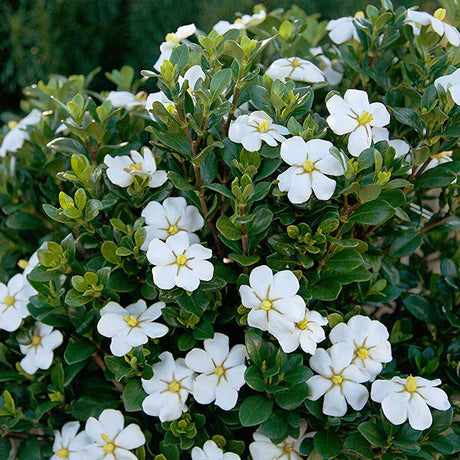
x,y
109,448
303,324
337,379
141,96
264,126
62,453
442,155
131,320
9,301
365,118
359,15
440,14
288,448
181,260
295,62
411,384
36,340
362,353
174,386
22,263
266,305
12,124
171,109
171,37
308,166
172,230
219,371
135,167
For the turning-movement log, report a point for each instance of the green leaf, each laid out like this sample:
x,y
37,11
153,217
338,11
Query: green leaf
x,y
179,182
373,213
326,290
255,410
260,221
133,395
228,228
406,243
408,117
292,398
422,309
357,443
219,82
67,145
108,250
254,378
371,432
5,447
344,261
23,221
275,427
245,261
440,176
327,443
78,351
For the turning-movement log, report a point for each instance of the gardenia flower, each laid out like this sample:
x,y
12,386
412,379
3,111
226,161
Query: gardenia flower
x,y
221,371
39,352
177,263
418,19
161,97
310,162
15,138
171,41
69,444
122,169
273,300
192,75
14,298
343,29
439,159
333,71
29,265
250,130
168,389
171,217
296,69
263,449
131,326
369,340
306,333
382,134
338,380
451,84
409,398
353,114
250,20
112,441
211,451
126,100
224,26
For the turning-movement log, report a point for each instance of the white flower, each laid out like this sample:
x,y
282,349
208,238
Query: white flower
x,y
15,138
192,75
122,169
171,217
296,69
168,389
382,134
125,99
450,83
221,371
39,352
338,380
224,26
418,19
69,444
409,398
29,265
111,440
250,20
250,130
14,298
272,299
172,40
131,326
163,99
332,70
310,162
353,114
369,340
439,159
343,29
177,263
211,451
306,333
263,449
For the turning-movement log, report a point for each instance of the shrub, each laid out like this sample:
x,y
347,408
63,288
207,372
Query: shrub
x,y
258,259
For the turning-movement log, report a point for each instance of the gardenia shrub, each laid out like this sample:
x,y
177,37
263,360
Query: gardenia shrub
x,y
257,261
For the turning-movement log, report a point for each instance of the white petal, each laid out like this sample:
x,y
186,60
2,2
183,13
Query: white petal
x,y
341,356
357,99
260,279
226,396
112,422
435,397
178,243
323,187
200,361
217,348
187,279
334,403
131,437
294,151
359,140
321,363
341,333
160,253
355,394
204,388
318,386
252,142
164,277
419,414
248,298
380,115
382,388
395,407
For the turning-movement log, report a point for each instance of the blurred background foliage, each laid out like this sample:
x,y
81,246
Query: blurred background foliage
x,y
41,37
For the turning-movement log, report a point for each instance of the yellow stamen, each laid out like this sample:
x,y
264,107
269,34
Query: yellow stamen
x,y
141,96
295,62
411,384
359,15
9,301
131,320
62,453
109,448
302,324
181,260
440,14
135,167
36,340
174,386
337,379
12,124
172,230
308,166
362,353
365,118
266,305
219,371
171,109
22,263
442,155
264,126
105,438
171,37
288,448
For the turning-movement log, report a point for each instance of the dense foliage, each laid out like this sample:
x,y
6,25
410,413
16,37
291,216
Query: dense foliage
x,y
304,189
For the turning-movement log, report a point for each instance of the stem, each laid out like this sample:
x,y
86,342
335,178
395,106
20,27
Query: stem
x,y
226,125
